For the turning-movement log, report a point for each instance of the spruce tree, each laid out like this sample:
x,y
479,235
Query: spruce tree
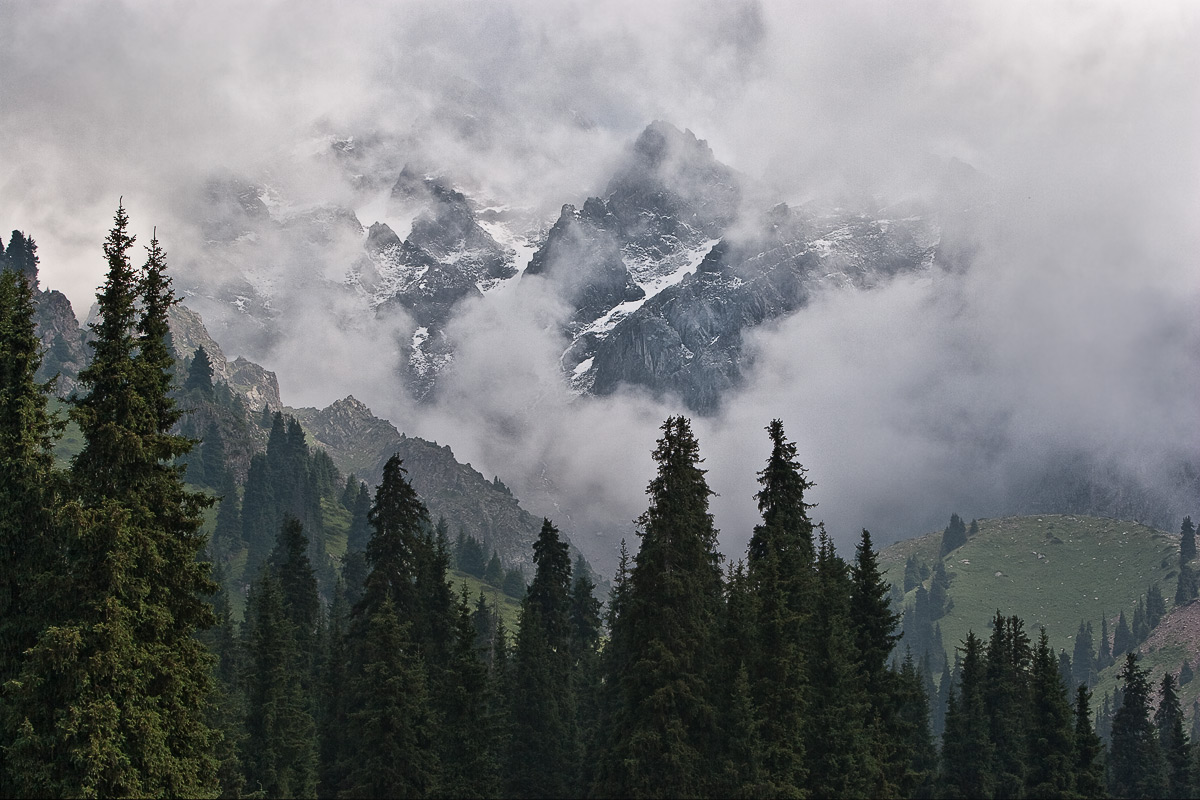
x,y
468,721
780,579
1006,698
1187,541
118,693
1104,657
954,536
1051,730
544,748
397,517
493,575
291,567
1136,767
1123,640
392,728
389,699
200,374
843,744
280,754
1082,661
1173,742
667,737
967,748
871,616
31,569
1088,767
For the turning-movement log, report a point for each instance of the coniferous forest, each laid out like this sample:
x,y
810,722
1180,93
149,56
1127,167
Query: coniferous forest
x,y
126,672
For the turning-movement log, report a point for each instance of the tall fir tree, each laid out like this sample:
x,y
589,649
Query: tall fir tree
x,y
544,750
1136,767
1051,730
668,621
1172,740
281,749
1187,541
843,744
1083,664
122,683
389,701
780,580
967,748
31,569
1088,752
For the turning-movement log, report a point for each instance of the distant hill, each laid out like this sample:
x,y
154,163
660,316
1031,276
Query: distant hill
x,y
1051,570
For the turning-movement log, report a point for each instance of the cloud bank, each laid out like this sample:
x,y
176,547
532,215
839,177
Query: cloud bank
x,y
1076,326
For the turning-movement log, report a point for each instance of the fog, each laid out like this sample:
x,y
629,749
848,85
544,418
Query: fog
x,y
1075,327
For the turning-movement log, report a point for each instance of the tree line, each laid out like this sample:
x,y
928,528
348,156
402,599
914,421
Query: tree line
x,y
125,672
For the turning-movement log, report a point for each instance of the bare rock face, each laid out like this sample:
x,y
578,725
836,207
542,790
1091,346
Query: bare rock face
x,y
64,349
257,387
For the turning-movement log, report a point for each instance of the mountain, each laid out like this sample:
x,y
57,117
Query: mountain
x,y
360,443
357,441
663,273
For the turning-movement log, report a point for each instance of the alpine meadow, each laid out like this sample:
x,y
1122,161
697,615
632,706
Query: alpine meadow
x,y
544,400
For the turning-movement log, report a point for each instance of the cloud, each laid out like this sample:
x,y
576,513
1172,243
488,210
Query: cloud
x,y
1075,325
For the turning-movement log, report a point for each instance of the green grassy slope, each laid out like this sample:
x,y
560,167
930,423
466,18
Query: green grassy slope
x,y
1050,570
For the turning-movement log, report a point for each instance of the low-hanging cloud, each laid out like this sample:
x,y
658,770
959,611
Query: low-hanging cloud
x,y
1073,327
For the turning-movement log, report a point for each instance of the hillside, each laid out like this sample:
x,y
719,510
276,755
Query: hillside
x,y
1050,570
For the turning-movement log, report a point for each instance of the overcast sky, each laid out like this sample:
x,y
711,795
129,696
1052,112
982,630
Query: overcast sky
x,y
1078,322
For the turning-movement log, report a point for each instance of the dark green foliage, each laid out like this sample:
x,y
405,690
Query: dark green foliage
x,y
1173,742
1156,606
493,574
290,566
259,518
468,718
1136,767
1051,728
954,536
469,555
1065,670
1123,640
912,574
21,257
967,748
28,539
398,517
913,757
871,616
392,727
544,746
1007,700
1187,541
332,717
939,598
280,751
1185,673
117,694
30,487
1089,749
772,638
227,534
1083,667
1187,588
841,743
1104,656
360,524
666,630
200,374
514,583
